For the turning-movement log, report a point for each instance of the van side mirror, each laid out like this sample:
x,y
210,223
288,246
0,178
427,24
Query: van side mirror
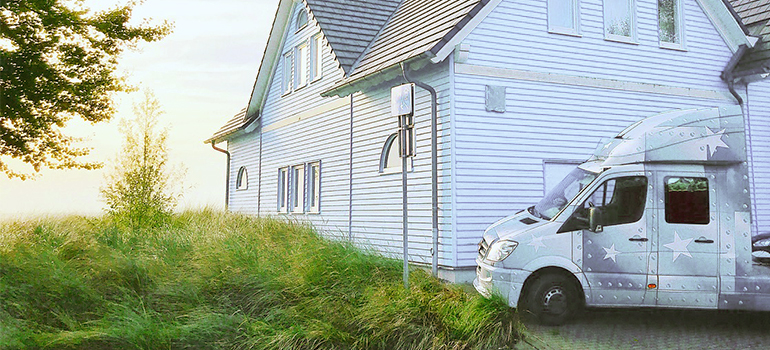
x,y
595,219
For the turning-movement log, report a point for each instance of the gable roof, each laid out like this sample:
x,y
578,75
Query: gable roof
x,y
235,124
756,17
349,26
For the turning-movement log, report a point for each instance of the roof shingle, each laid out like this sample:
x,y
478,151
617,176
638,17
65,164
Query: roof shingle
x,y
755,14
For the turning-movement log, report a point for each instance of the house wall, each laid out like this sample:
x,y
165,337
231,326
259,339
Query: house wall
x,y
593,88
377,198
758,127
244,152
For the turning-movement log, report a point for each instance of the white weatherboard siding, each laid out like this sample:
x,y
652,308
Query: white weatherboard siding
x,y
244,152
377,206
758,105
581,89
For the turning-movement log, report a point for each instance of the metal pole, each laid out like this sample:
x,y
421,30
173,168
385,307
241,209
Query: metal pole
x,y
402,121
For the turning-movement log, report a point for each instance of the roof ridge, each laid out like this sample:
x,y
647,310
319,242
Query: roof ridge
x,y
374,40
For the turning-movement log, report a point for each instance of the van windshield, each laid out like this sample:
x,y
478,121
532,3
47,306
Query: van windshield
x,y
563,193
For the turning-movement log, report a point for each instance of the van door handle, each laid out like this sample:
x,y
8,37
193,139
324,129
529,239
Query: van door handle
x,y
704,240
638,239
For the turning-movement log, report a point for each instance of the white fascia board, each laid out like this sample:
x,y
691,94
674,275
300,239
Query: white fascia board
x,y
463,33
726,24
270,57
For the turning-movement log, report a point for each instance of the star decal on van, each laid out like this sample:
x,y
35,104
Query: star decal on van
x,y
679,246
611,253
713,140
536,242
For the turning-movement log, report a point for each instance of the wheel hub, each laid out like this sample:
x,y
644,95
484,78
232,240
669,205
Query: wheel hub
x,y
554,301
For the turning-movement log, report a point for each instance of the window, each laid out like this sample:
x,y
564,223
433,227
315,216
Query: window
x,y
283,190
619,201
297,189
314,187
670,20
390,161
316,57
619,21
300,64
287,69
687,200
242,182
564,16
301,18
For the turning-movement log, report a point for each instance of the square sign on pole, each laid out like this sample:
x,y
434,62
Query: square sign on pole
x,y
402,100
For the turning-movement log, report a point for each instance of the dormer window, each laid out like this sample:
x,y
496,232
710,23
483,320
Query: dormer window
x,y
301,19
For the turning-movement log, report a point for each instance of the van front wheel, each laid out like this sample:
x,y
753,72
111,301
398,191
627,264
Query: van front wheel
x,y
552,299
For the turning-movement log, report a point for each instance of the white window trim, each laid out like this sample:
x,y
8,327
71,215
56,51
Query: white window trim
x,y
299,12
242,179
392,141
316,57
316,186
632,39
301,61
680,30
565,30
296,207
283,183
288,67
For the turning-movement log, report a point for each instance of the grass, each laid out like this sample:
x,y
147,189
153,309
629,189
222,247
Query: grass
x,y
210,280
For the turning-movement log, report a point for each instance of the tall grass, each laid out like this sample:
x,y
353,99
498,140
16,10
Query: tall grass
x,y
209,280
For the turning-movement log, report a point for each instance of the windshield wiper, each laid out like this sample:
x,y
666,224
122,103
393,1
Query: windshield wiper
x,y
534,212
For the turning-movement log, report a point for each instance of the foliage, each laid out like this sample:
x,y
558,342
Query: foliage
x,y
58,61
140,189
210,280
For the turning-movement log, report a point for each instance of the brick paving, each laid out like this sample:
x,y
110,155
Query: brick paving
x,y
654,329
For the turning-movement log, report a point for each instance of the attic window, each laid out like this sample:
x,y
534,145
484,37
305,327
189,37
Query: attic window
x,y
301,19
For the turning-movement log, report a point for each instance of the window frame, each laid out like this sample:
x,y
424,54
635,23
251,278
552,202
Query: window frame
x,y
680,21
633,36
283,190
314,188
316,57
298,26
575,30
297,199
288,72
391,141
301,69
243,174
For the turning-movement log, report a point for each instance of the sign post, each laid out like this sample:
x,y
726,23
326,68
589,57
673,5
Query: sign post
x,y
402,106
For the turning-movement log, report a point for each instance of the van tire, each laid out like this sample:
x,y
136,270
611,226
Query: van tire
x,y
552,299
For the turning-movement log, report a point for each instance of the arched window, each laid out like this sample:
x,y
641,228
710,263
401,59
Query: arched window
x,y
390,162
242,182
301,18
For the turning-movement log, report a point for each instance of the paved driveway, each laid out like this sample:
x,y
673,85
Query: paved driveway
x,y
655,329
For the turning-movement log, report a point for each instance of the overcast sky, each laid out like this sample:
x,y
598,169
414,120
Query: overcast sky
x,y
202,74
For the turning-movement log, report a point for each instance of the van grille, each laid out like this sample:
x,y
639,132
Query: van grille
x,y
483,246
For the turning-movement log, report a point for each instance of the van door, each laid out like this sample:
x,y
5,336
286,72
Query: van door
x,y
615,257
688,243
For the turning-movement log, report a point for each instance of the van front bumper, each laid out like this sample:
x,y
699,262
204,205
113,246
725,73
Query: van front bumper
x,y
506,282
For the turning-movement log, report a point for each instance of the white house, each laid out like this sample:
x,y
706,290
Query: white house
x,y
525,89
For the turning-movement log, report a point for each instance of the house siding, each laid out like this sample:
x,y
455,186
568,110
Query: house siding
x,y
244,152
758,106
500,157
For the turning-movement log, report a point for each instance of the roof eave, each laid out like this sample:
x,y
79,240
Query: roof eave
x,y
727,24
447,44
346,87
248,126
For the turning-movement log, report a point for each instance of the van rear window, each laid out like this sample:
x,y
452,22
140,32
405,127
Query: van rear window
x,y
687,200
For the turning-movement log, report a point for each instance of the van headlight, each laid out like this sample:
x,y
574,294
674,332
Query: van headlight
x,y
501,250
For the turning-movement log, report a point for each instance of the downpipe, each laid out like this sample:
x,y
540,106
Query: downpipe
x,y
727,73
227,174
433,162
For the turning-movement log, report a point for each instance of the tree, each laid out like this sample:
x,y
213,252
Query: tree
x,y
58,61
140,188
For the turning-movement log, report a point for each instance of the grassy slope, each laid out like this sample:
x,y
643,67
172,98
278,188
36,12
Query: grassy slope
x,y
214,280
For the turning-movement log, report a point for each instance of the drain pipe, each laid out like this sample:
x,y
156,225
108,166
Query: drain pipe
x,y
433,162
727,74
227,172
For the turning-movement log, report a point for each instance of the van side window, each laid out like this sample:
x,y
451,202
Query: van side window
x,y
687,200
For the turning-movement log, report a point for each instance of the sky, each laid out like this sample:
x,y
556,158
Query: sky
x,y
202,74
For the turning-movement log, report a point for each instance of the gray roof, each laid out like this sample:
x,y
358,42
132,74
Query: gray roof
x,y
350,26
236,123
417,27
755,15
